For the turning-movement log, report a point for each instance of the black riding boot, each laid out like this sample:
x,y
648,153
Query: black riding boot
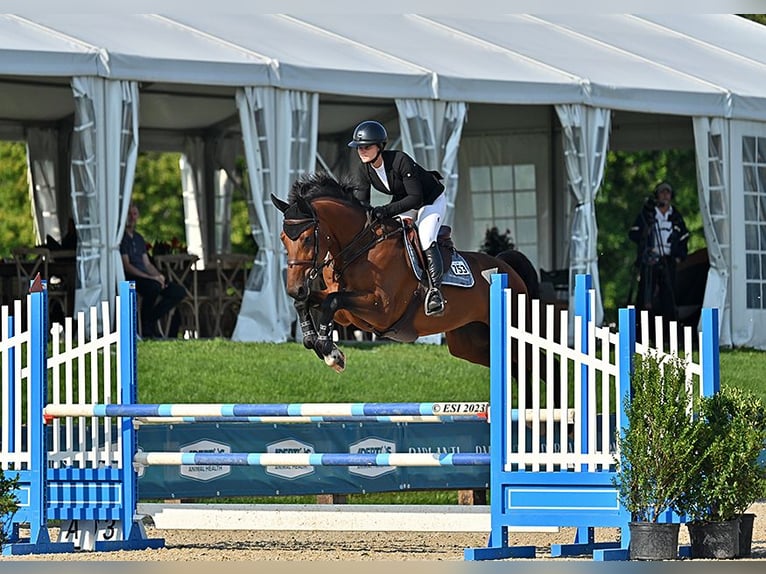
x,y
434,301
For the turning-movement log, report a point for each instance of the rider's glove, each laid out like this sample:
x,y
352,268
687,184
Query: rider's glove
x,y
379,213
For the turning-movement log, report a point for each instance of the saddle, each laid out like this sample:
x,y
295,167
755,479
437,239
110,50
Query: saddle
x,y
457,273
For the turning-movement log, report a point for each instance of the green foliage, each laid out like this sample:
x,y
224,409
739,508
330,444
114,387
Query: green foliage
x,y
16,226
759,18
731,477
658,454
8,502
496,242
157,192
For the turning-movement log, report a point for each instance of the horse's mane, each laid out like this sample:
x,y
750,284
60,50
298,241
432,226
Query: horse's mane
x,y
321,184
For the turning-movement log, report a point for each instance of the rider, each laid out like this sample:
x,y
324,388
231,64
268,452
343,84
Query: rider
x,y
414,189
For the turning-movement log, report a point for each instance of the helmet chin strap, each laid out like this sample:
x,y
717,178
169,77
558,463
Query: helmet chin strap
x,y
377,155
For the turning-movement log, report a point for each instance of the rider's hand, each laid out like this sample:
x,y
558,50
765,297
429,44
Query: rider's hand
x,y
378,213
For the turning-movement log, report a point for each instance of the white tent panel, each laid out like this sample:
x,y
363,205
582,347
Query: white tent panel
x,y
722,31
27,50
314,59
467,67
151,48
724,71
49,104
606,73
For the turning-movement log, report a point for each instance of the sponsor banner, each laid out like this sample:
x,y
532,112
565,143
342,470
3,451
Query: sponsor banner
x,y
364,437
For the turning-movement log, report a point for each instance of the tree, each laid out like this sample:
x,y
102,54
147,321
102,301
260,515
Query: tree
x,y
16,224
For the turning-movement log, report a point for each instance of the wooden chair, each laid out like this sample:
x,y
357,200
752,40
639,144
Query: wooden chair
x,y
231,274
30,261
179,268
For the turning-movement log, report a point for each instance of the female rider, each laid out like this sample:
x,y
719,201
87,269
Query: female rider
x,y
414,190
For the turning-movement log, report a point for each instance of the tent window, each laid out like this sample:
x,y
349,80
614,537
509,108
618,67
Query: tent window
x,y
504,196
754,177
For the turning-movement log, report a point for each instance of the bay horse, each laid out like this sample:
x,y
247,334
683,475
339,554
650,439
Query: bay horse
x,y
357,272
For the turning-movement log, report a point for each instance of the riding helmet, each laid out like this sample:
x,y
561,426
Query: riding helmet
x,y
368,133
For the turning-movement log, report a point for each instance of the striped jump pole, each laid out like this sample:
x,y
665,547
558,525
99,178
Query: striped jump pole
x,y
297,419
476,409
294,413
310,459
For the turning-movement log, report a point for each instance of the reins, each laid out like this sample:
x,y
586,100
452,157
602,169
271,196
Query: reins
x,y
362,250
347,254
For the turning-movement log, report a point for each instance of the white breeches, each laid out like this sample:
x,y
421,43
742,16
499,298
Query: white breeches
x,y
429,219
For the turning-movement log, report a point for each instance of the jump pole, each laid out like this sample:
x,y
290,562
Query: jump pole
x,y
309,459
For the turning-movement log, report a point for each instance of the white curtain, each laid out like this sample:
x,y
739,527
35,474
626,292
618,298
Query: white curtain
x,y
431,132
47,193
711,142
279,131
585,138
192,164
104,153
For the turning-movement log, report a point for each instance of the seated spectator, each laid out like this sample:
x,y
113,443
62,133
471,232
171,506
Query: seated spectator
x,y
158,296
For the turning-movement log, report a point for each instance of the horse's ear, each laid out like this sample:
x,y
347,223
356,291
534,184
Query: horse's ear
x,y
279,204
303,205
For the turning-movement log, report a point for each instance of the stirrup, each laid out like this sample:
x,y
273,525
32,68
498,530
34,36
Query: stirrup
x,y
434,303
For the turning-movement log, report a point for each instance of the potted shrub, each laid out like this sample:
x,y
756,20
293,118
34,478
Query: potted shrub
x,y
657,456
8,505
731,477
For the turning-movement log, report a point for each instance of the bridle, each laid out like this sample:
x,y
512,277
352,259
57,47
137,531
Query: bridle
x,y
357,247
314,224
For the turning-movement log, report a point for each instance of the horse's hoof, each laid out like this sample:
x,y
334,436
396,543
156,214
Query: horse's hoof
x,y
309,342
324,347
337,360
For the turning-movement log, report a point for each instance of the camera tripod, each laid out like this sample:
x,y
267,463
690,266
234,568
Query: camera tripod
x,y
655,293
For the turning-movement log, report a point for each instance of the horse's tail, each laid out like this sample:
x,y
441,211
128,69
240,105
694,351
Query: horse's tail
x,y
523,266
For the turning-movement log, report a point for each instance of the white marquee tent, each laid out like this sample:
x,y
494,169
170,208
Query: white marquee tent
x,y
537,100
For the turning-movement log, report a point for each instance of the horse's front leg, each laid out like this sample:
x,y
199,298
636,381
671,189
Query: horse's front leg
x,y
325,347
306,322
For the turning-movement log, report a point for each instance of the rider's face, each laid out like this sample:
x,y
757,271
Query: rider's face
x,y
367,153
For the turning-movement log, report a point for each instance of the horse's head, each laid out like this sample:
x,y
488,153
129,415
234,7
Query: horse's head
x,y
300,236
305,236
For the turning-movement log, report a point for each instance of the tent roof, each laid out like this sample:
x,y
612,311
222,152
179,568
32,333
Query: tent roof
x,y
707,64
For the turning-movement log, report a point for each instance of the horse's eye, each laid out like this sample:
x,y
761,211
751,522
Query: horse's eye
x,y
308,240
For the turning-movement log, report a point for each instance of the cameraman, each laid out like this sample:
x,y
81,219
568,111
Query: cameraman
x,y
662,237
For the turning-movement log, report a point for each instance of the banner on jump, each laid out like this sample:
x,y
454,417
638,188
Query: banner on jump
x,y
198,481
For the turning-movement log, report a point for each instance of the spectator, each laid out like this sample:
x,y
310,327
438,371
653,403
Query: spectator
x,y
158,296
661,237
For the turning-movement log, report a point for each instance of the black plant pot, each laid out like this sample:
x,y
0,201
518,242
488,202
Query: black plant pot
x,y
653,540
745,534
714,539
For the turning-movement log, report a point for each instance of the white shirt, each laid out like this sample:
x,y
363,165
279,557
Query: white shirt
x,y
381,171
663,228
